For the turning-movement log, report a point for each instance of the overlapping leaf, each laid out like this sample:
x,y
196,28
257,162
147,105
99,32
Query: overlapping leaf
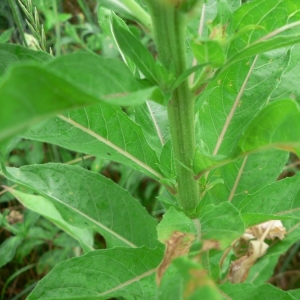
x,y
64,83
268,128
225,108
276,200
11,53
88,200
46,208
259,26
103,274
104,131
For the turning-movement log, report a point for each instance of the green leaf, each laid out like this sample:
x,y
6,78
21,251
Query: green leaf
x,y
246,176
107,79
46,208
135,50
89,200
234,98
225,108
269,128
11,53
274,201
222,223
28,105
79,79
102,274
5,36
103,131
186,279
174,220
261,26
288,86
209,51
245,291
154,123
8,249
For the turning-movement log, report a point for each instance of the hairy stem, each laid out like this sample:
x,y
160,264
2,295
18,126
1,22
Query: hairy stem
x,y
169,35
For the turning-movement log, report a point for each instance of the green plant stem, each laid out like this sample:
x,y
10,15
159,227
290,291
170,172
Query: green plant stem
x,y
169,35
139,13
17,18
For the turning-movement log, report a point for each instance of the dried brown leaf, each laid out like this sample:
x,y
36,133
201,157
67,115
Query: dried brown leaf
x,y
177,245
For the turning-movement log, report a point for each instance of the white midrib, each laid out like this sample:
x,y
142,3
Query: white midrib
x,y
126,283
233,109
112,145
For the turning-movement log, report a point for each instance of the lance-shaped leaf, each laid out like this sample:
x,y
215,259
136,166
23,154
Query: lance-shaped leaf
x,y
11,53
225,108
135,50
269,128
89,200
67,82
108,79
104,131
46,208
8,249
103,274
246,291
275,201
259,26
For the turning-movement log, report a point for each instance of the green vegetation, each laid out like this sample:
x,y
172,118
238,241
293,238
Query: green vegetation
x,y
145,147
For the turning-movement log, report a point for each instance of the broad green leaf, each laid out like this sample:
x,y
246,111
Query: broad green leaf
x,y
11,53
269,128
222,223
67,82
245,291
8,249
225,108
89,200
46,208
209,51
104,131
107,79
103,274
187,279
174,220
263,270
234,98
261,26
289,84
274,201
246,176
28,105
